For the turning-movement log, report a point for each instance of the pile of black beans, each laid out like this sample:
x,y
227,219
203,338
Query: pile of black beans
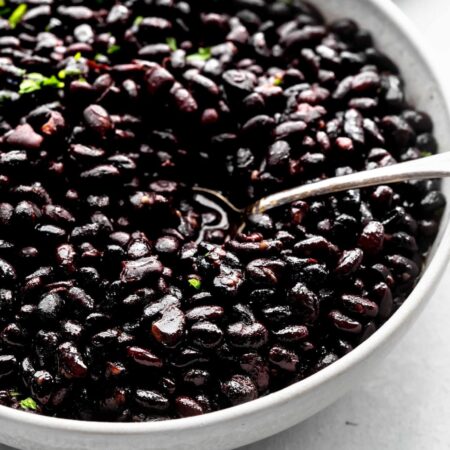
x,y
121,299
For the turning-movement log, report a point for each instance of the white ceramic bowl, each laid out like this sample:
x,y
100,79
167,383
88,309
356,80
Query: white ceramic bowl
x,y
261,418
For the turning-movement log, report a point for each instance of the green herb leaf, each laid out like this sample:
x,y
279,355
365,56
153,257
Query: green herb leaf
x,y
114,48
17,15
138,21
28,86
70,72
424,153
28,403
204,53
100,58
14,394
35,81
77,56
2,3
172,43
53,81
278,81
195,283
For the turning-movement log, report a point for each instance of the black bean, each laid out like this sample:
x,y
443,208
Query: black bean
x,y
205,334
372,238
349,262
98,120
242,335
24,137
71,364
50,307
151,400
239,389
344,323
283,358
304,300
144,357
7,272
169,329
8,364
359,306
141,269
187,407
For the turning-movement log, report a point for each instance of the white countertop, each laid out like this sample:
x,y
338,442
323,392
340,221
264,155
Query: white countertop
x,y
406,404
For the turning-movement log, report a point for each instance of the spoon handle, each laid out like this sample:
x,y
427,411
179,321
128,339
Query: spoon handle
x,y
436,166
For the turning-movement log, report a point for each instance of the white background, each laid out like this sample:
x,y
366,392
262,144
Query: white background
x,y
406,403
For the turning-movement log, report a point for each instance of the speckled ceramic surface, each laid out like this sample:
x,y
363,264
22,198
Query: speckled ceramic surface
x,y
276,412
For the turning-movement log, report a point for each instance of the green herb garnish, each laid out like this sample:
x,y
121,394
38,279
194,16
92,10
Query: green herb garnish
x,y
28,403
13,394
35,81
77,56
172,43
17,15
278,81
53,81
113,48
195,283
138,21
100,58
2,3
64,73
424,153
203,54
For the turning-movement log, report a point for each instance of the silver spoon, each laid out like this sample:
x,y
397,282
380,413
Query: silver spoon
x,y
436,166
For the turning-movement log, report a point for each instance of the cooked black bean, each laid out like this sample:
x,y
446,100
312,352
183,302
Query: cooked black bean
x,y
70,361
151,400
144,357
239,389
169,329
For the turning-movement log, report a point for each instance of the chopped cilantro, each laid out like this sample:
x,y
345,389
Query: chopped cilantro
x,y
195,283
100,58
204,53
35,81
70,72
138,21
113,48
14,393
77,56
424,153
278,81
172,43
28,403
53,81
17,15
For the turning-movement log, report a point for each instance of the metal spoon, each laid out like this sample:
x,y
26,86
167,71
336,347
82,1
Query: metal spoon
x,y
436,166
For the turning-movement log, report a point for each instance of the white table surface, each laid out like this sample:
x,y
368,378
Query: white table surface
x,y
406,404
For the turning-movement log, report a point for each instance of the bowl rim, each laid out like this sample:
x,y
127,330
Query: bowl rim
x,y
416,299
